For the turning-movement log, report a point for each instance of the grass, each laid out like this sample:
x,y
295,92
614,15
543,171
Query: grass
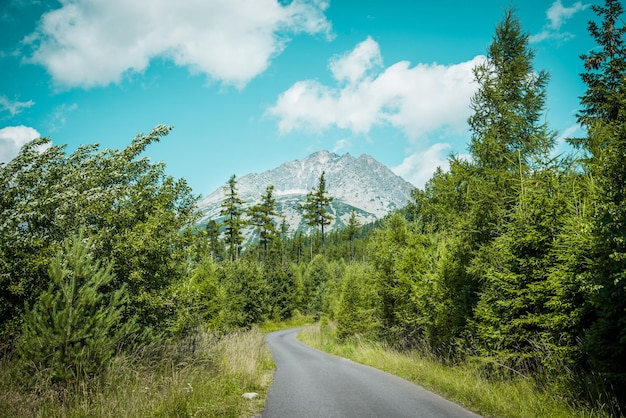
x,y
158,381
464,384
296,321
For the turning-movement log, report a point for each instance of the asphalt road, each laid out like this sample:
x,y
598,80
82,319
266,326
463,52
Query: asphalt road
x,y
310,383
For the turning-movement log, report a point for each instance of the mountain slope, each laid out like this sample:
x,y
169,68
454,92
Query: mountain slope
x,y
361,184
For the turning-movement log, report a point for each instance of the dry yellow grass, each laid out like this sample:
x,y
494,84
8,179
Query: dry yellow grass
x,y
159,382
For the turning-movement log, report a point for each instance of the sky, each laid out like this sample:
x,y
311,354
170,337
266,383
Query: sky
x,y
251,84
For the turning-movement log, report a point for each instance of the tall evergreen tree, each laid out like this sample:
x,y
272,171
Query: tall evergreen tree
x,y
507,135
231,208
353,228
603,115
262,217
516,224
316,208
284,229
213,235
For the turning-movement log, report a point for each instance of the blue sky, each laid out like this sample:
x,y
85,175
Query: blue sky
x,y
250,84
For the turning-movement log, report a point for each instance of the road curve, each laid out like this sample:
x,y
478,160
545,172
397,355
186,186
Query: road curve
x,y
310,383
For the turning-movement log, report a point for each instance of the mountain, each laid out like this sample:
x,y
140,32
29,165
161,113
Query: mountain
x,y
361,184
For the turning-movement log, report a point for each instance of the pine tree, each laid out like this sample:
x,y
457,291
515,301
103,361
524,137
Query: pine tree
x,y
316,208
353,228
213,234
284,229
74,328
231,208
262,216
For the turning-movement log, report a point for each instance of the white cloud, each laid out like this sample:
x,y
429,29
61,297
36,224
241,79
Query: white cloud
x,y
12,138
354,65
419,167
341,144
569,132
96,42
557,15
14,107
58,118
418,100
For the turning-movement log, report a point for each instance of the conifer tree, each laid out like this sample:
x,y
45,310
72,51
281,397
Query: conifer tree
x,y
213,234
74,328
284,229
316,208
262,216
516,227
507,136
231,208
353,228
603,115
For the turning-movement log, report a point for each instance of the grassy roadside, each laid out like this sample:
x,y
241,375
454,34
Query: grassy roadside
x,y
158,382
462,384
296,321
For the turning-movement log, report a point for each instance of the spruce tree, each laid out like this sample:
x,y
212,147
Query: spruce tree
x,y
231,208
262,216
213,234
514,224
353,228
316,208
508,139
603,115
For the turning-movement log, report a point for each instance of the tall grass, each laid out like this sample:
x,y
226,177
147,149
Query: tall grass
x,y
156,381
465,384
295,321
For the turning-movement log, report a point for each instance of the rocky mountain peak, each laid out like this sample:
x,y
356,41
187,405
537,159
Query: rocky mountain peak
x,y
361,184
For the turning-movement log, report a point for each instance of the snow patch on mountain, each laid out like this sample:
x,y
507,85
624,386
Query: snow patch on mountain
x,y
361,184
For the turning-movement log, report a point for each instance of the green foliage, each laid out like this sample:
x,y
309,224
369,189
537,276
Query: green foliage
x,y
131,209
216,247
357,313
352,229
316,208
234,223
262,216
315,281
200,301
247,293
603,114
74,328
284,297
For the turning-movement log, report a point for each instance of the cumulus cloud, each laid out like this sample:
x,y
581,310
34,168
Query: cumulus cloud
x,y
556,16
353,66
12,138
14,106
419,167
418,100
90,43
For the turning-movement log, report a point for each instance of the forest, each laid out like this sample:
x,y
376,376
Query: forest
x,y
514,259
